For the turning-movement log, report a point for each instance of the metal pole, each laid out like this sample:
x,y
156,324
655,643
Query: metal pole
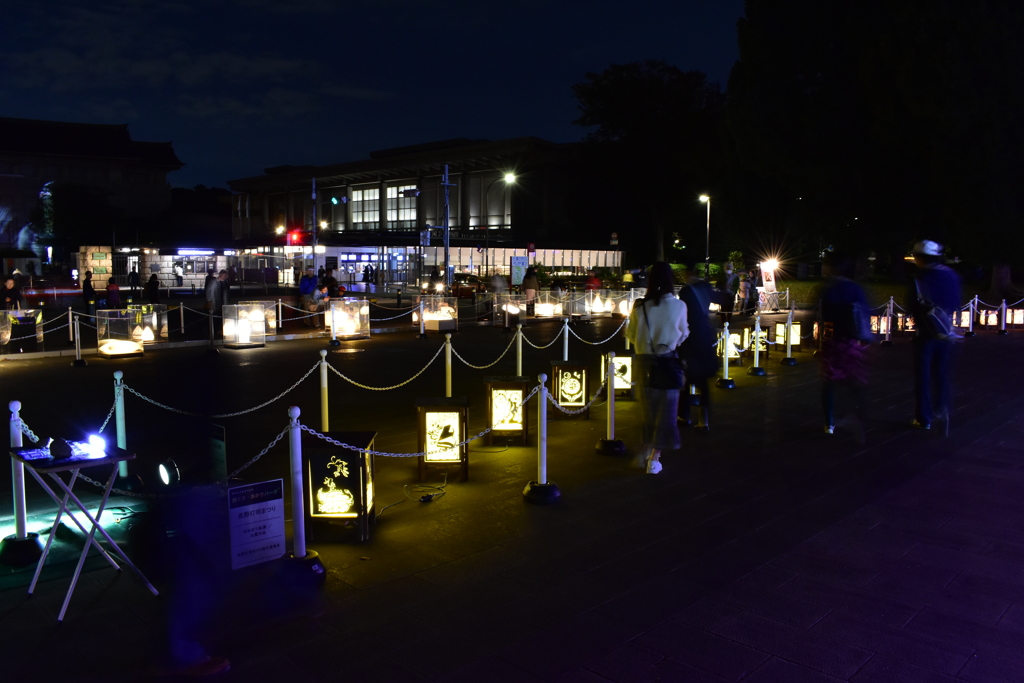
x,y
295,461
789,335
542,431
447,262
423,331
280,310
72,332
610,384
726,344
122,438
314,226
707,247
181,316
519,350
448,364
78,344
18,473
324,424
756,369
970,322
1002,318
565,341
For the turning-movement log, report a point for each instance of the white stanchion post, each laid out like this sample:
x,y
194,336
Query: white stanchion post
x,y
122,434
542,491
181,317
610,445
78,363
789,360
423,324
724,382
18,472
519,350
72,332
756,369
565,339
970,321
280,312
1002,318
448,364
324,422
295,461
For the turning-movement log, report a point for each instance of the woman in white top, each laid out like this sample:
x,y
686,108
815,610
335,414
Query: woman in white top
x,y
657,325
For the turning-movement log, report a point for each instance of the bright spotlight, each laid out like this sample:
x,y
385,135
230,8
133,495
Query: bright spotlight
x,y
169,473
770,264
510,177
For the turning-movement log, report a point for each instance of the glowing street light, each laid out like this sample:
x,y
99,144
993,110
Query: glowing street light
x,y
509,178
707,248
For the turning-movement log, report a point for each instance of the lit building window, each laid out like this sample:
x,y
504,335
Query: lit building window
x,y
365,208
401,209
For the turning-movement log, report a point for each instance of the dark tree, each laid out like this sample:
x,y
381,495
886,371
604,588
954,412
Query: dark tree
x,y
656,145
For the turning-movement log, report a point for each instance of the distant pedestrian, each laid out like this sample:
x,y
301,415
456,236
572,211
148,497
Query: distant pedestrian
x,y
133,281
10,296
592,282
89,293
657,325
179,274
530,287
728,284
330,282
153,289
935,285
846,334
698,349
113,294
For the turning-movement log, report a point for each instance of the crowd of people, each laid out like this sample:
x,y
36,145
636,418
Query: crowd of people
x,y
668,328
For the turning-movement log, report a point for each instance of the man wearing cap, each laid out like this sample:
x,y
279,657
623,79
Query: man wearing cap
x,y
935,284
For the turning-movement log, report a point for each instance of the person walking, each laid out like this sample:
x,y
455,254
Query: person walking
x,y
698,349
113,294
656,326
846,334
728,285
10,296
530,288
935,285
153,289
133,282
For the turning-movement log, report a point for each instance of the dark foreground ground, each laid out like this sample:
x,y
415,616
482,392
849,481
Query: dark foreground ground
x,y
765,551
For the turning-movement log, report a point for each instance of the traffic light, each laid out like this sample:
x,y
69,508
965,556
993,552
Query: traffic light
x,y
295,237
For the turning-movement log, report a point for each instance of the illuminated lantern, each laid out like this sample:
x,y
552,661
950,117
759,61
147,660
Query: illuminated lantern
x,y
794,335
735,347
440,313
596,305
348,318
115,336
548,305
880,324
340,485
623,379
269,314
962,318
151,321
748,341
245,325
507,415
510,307
571,384
5,329
989,318
442,427
1015,316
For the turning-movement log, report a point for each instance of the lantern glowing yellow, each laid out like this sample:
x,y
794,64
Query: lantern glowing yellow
x,y
341,485
794,335
442,428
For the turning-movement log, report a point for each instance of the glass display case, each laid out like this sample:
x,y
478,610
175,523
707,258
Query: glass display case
x,y
508,308
245,325
269,314
5,329
598,303
150,324
440,313
117,335
348,318
548,305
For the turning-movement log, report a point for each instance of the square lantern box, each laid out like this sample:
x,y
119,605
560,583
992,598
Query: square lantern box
x,y
348,318
748,341
506,414
1015,317
5,329
962,319
549,305
598,304
269,314
442,426
574,306
245,325
735,347
794,336
570,385
623,301
623,379
25,330
117,335
340,484
988,318
880,324
440,313
905,323
150,323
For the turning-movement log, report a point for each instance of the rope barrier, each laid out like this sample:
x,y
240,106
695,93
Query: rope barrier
x,y
483,367
546,345
235,414
382,320
604,340
365,386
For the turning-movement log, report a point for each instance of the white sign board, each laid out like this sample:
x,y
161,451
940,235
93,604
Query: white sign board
x,y
518,267
256,522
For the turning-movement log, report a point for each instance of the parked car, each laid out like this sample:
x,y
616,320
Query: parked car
x,y
464,286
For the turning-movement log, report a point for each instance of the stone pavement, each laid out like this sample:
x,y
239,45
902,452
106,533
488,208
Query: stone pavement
x,y
765,551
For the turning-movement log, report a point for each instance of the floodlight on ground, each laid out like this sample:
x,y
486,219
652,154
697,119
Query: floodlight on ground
x,y
170,475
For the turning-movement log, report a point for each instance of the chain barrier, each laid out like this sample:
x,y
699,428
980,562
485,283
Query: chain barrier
x,y
551,399
235,414
110,414
484,367
393,308
616,332
260,454
28,432
384,320
546,345
365,386
386,454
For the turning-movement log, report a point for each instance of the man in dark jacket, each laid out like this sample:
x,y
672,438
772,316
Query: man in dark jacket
x,y
698,349
935,284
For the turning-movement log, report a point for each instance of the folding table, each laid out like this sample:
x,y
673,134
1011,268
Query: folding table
x,y
39,462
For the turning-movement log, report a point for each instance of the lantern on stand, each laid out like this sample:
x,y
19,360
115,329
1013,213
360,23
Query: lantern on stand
x,y
1015,317
748,341
442,428
507,415
269,313
348,318
570,387
988,317
794,335
150,324
245,325
5,329
117,335
623,377
340,484
880,324
733,347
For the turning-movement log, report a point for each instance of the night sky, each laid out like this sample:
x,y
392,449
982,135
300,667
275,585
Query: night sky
x,y
241,85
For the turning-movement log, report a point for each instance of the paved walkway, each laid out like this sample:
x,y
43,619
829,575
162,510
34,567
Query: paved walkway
x,y
765,551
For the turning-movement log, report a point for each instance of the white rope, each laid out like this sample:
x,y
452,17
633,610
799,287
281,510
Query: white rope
x,y
483,367
546,345
240,412
604,341
365,386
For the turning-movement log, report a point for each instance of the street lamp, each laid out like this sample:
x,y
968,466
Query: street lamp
x,y
509,178
707,248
